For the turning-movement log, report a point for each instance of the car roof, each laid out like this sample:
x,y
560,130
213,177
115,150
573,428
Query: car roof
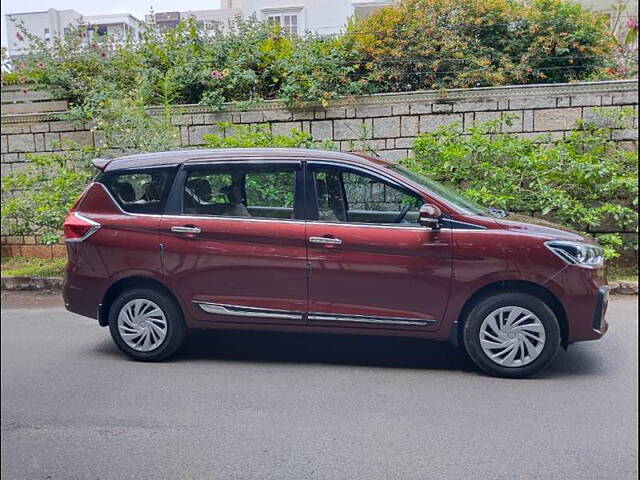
x,y
177,157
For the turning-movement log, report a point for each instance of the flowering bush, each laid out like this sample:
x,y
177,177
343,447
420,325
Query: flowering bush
x,y
417,44
252,61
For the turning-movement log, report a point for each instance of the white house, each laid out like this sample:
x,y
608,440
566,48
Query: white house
x,y
214,19
317,16
45,25
54,23
117,26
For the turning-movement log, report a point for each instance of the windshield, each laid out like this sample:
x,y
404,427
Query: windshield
x,y
447,194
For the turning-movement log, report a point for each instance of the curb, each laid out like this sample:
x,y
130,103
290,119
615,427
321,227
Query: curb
x,y
623,288
55,283
31,283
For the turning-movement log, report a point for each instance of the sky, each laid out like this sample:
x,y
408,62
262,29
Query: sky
x,y
138,8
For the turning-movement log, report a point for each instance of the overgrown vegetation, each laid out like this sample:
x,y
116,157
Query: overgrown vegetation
x,y
249,136
418,44
582,181
37,198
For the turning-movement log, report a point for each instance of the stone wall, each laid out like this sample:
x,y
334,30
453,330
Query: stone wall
x,y
392,121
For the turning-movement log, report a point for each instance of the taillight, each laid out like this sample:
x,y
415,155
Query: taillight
x,y
78,228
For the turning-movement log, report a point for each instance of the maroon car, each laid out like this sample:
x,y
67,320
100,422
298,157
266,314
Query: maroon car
x,y
316,241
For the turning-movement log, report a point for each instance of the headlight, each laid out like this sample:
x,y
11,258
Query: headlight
x,y
575,253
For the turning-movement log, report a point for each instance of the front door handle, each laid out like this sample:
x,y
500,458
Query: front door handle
x,y
181,229
325,240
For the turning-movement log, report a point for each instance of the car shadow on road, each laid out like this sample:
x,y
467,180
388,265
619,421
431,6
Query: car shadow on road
x,y
580,359
354,350
277,347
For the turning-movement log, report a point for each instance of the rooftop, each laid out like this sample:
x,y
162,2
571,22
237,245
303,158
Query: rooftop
x,y
177,157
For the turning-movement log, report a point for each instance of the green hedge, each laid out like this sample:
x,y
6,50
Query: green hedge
x,y
582,181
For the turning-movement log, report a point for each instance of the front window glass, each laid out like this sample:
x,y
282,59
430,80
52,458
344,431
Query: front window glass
x,y
237,192
447,194
346,196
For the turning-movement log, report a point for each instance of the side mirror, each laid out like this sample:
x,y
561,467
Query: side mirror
x,y
429,216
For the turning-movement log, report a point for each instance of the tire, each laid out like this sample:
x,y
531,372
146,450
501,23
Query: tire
x,y
513,314
160,320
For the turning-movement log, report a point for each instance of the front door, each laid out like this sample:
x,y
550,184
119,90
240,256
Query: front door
x,y
236,252
371,263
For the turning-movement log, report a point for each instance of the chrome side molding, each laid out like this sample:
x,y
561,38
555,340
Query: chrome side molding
x,y
323,317
241,311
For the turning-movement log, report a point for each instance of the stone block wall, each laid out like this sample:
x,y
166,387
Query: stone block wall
x,y
391,121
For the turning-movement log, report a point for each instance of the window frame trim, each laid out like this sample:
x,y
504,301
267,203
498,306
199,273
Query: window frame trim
x,y
312,197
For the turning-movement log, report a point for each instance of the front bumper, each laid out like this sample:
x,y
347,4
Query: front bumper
x,y
584,295
602,303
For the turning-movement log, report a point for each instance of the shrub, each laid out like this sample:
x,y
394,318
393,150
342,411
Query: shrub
x,y
36,199
250,62
433,44
582,181
128,127
248,136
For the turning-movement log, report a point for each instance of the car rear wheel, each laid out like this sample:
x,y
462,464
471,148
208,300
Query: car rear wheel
x,y
146,324
511,335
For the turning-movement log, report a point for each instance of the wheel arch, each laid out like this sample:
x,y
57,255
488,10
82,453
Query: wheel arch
x,y
520,286
127,283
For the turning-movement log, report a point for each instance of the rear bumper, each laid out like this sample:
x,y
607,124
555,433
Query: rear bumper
x,y
81,294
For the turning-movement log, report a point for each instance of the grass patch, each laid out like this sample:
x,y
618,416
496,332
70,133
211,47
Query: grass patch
x,y
33,267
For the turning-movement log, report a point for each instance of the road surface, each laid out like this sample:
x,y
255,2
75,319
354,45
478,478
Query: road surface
x,y
287,406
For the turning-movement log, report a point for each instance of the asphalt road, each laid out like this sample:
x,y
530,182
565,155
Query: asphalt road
x,y
284,406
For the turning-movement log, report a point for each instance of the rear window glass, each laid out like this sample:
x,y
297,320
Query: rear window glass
x,y
139,192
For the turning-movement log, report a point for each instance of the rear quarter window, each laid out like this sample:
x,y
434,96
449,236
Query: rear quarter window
x,y
140,192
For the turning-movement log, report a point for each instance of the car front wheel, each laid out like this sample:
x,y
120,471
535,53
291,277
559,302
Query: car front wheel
x,y
146,324
512,335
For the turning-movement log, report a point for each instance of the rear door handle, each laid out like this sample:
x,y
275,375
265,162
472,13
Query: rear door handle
x,y
181,229
325,240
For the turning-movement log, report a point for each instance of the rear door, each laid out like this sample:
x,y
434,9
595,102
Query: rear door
x,y
371,264
235,250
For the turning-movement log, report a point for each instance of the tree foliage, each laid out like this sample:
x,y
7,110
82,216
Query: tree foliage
x,y
433,44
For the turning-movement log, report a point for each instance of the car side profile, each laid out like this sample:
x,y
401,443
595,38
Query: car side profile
x,y
317,241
